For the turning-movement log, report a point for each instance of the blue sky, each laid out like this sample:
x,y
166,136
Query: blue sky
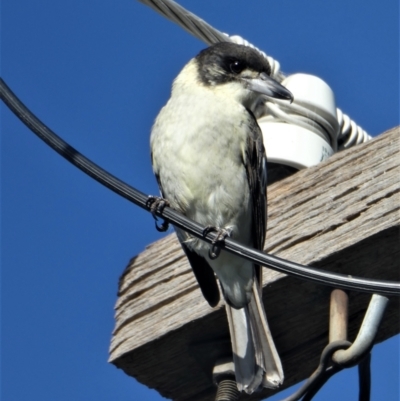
x,y
97,72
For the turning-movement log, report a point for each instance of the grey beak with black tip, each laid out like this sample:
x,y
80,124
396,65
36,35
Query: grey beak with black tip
x,y
267,86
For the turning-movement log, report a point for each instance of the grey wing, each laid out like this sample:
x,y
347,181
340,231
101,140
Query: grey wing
x,y
256,169
205,276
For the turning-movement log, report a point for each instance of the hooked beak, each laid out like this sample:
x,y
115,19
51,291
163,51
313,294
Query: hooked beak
x,y
267,86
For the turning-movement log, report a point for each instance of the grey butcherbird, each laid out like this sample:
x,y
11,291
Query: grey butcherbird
x,y
209,160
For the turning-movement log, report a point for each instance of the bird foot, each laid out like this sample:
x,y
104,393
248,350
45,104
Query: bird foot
x,y
222,233
157,204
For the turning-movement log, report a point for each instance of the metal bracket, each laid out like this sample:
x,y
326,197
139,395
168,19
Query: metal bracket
x,y
366,335
340,353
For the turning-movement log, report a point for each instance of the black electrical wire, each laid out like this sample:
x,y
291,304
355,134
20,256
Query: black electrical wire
x,y
313,391
140,199
321,375
364,378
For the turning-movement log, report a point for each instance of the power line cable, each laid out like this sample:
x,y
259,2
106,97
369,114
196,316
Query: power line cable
x,y
140,199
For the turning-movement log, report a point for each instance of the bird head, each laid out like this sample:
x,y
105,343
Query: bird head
x,y
239,71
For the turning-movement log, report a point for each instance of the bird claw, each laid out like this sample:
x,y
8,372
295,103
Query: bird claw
x,y
157,204
222,233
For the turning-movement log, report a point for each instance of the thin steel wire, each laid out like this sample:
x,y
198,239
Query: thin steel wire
x,y
335,280
188,21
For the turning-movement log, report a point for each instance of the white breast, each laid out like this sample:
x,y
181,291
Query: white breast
x,y
198,149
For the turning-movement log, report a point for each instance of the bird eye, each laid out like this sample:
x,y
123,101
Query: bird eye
x,y
236,67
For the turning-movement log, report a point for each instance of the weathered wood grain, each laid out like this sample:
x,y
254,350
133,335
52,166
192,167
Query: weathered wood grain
x,y
342,215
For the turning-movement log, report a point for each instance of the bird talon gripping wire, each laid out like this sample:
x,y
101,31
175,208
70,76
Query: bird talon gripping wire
x,y
157,204
215,249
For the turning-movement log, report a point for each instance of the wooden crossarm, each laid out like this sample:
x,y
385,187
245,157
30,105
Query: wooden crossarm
x,y
342,215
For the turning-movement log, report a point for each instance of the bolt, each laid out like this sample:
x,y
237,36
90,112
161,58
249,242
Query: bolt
x,y
224,378
227,390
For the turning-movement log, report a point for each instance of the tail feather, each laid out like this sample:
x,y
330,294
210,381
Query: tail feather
x,y
265,345
257,363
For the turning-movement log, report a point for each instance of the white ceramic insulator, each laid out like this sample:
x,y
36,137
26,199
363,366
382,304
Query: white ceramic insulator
x,y
313,138
293,145
315,95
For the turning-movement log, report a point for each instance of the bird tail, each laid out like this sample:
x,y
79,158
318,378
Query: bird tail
x,y
256,360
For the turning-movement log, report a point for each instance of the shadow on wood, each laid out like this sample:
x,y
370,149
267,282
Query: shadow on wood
x,y
342,216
